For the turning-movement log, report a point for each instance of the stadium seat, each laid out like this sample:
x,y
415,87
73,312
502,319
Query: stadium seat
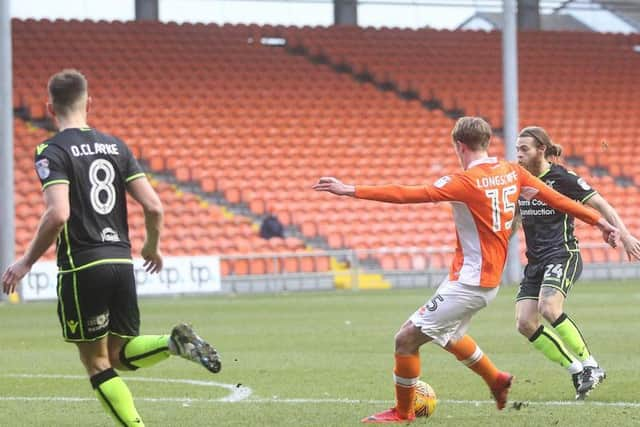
x,y
257,126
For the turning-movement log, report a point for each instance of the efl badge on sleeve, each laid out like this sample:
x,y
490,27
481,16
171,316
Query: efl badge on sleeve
x,y
42,166
442,181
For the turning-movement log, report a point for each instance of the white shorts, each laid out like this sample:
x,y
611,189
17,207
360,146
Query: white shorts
x,y
447,314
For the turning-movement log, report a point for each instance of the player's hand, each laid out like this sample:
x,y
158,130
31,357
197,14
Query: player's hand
x,y
14,275
152,259
610,234
335,186
631,246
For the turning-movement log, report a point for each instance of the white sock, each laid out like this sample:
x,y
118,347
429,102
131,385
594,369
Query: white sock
x,y
575,367
590,362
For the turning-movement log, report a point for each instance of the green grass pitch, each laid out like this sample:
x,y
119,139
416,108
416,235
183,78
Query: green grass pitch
x,y
323,359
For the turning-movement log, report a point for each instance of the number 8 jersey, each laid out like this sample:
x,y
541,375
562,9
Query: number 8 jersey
x,y
97,168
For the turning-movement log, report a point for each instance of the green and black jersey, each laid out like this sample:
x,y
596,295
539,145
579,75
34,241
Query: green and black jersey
x,y
97,168
549,233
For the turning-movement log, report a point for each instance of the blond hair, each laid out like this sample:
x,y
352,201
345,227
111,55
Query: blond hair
x,y
474,132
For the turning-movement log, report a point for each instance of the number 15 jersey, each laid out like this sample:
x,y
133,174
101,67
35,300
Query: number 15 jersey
x,y
484,205
97,168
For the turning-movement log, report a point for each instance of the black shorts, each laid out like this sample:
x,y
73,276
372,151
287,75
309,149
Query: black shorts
x,y
98,301
559,272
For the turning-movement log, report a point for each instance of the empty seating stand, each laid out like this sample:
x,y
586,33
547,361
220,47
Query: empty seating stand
x,y
258,125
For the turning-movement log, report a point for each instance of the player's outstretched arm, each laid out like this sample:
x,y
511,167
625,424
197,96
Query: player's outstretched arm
x,y
56,214
334,186
380,193
141,190
610,234
533,187
630,243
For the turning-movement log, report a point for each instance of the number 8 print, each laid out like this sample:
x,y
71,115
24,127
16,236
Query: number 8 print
x,y
102,185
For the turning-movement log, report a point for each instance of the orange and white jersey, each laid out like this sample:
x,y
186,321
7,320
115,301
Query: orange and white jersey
x,y
484,201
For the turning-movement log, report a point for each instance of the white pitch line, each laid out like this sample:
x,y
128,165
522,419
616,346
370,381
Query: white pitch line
x,y
242,394
237,392
186,400
550,403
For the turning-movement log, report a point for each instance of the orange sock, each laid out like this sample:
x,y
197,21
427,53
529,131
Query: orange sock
x,y
406,374
467,351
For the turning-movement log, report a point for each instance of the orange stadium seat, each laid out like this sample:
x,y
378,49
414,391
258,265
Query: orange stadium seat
x,y
258,126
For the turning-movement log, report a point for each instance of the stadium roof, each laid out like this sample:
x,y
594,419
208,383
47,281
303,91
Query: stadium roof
x,y
628,10
555,22
603,15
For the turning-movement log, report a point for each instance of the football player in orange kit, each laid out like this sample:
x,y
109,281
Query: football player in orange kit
x,y
484,198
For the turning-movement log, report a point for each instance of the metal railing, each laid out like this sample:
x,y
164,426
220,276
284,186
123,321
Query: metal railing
x,y
400,267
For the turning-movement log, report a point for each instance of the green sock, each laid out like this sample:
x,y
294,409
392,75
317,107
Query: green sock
x,y
116,398
571,336
144,351
549,344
